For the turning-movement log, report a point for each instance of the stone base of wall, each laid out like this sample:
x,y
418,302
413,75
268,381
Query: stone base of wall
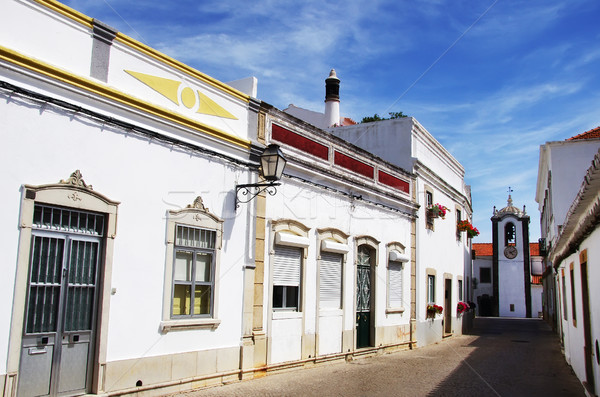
x,y
160,375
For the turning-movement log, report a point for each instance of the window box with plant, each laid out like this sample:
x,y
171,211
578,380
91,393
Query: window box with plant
x,y
462,307
466,226
437,211
433,309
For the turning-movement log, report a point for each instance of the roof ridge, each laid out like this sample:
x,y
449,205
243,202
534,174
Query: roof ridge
x,y
593,133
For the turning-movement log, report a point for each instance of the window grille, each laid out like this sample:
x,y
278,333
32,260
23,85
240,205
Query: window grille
x,y
67,220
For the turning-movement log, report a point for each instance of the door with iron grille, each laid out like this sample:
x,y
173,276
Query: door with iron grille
x,y
363,297
58,335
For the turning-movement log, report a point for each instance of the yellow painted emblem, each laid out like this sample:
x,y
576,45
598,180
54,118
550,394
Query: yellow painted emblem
x,y
180,94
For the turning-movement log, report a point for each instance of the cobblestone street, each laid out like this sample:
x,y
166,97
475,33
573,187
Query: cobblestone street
x,y
501,357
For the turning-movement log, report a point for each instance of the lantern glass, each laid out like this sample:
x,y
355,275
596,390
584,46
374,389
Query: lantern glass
x,y
272,162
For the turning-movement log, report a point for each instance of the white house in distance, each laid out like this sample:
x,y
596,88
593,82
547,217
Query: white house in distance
x,y
568,193
507,272
483,291
443,266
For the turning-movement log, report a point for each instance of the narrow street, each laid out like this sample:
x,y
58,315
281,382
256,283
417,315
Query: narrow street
x,y
501,357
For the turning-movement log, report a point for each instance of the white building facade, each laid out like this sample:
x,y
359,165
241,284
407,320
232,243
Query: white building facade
x,y
136,283
335,251
570,227
443,255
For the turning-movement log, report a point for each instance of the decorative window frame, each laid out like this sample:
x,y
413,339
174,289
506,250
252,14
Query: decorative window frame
x,y
74,193
430,272
394,246
194,215
460,285
429,222
298,237
372,243
339,244
458,211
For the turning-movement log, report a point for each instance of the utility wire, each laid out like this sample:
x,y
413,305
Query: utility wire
x,y
442,55
127,23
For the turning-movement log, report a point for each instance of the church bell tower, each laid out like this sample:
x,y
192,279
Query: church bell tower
x,y
510,261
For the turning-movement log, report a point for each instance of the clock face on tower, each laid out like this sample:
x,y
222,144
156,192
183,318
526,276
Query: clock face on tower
x,y
510,252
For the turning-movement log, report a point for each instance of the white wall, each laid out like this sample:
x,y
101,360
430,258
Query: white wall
x,y
43,144
573,333
317,208
148,179
389,139
438,249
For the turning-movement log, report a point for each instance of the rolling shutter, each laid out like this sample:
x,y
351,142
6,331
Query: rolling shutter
x,y
286,266
395,285
330,281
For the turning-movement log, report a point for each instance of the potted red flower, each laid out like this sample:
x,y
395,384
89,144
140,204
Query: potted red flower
x,y
461,307
466,226
437,211
433,309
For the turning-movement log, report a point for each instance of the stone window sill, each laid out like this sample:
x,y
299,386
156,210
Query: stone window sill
x,y
394,310
196,323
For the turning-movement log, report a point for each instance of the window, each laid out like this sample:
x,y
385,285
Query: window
x,y
509,234
395,285
458,219
286,278
193,272
428,203
431,289
485,275
460,290
330,281
194,238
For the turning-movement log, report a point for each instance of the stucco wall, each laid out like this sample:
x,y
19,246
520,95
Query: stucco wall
x,y
573,332
317,208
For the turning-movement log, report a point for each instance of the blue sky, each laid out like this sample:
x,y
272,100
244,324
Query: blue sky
x,y
491,80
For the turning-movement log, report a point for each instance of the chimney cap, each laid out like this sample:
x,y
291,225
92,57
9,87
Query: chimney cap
x,y
332,75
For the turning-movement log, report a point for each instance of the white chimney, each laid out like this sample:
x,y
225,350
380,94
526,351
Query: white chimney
x,y
332,99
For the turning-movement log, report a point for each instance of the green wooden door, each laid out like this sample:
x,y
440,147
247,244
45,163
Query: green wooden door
x,y
363,298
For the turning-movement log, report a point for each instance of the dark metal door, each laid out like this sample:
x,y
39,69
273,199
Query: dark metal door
x,y
448,306
363,298
58,340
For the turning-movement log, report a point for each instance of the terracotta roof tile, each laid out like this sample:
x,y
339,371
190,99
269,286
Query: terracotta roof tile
x,y
483,249
534,249
591,134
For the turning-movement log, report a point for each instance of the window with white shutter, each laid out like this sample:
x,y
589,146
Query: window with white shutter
x,y
287,264
395,285
330,281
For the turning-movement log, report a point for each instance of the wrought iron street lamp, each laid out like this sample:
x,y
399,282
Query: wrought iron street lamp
x,y
272,164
